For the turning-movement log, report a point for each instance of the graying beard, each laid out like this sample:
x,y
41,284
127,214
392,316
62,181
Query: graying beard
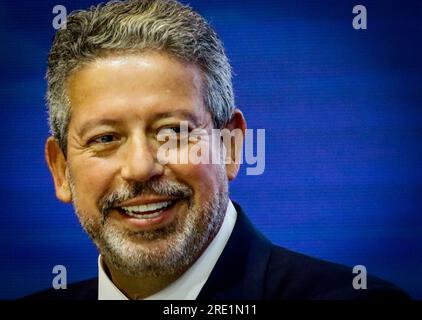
x,y
191,238
182,252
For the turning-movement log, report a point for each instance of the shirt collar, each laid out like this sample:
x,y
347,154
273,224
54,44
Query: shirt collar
x,y
189,284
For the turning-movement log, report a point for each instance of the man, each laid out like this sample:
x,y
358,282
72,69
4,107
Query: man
x,y
119,76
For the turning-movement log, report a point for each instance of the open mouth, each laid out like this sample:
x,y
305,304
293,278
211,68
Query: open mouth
x,y
147,211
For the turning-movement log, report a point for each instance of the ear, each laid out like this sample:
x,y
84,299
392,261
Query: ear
x,y
234,145
57,164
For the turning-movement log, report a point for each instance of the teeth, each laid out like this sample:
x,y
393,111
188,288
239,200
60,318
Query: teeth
x,y
144,216
147,207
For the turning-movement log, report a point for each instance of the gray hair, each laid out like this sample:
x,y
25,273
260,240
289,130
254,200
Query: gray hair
x,y
136,26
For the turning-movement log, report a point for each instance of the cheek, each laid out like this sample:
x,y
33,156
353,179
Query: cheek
x,y
205,179
92,178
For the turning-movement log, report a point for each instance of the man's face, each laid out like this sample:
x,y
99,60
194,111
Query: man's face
x,y
145,218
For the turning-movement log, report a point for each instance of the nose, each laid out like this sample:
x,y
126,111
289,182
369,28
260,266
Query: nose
x,y
140,161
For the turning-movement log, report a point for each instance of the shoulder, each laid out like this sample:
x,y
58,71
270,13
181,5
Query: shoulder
x,y
294,275
269,271
83,290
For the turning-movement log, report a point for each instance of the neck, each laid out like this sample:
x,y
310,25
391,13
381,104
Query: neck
x,y
141,287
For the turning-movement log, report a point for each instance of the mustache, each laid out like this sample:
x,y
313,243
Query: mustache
x,y
151,187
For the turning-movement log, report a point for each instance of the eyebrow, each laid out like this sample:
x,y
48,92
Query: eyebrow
x,y
96,123
114,122
181,113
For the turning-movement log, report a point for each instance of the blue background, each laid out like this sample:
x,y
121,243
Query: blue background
x,y
342,111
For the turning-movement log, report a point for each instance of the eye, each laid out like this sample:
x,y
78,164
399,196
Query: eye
x,y
170,130
173,131
103,139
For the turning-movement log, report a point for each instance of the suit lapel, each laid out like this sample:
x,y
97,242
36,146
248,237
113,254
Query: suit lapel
x,y
241,269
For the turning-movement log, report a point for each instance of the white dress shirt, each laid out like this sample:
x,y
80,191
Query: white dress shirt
x,y
190,283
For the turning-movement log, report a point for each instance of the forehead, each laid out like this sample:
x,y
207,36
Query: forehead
x,y
149,82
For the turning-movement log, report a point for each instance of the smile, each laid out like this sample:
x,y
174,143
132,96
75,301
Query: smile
x,y
147,211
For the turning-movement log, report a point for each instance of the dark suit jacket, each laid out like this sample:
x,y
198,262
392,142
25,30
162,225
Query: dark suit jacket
x,y
251,267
